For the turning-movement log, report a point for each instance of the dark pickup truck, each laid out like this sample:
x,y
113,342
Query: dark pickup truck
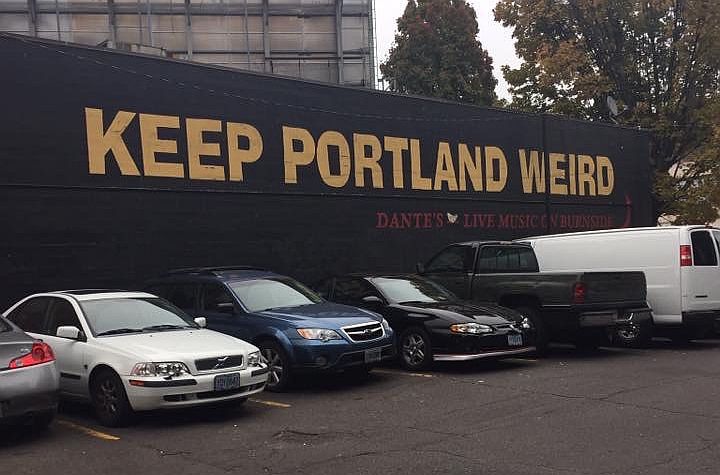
x,y
581,308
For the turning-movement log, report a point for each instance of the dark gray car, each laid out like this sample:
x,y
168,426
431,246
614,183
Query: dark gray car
x,y
28,378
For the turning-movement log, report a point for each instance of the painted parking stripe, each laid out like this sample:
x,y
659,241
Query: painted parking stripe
x,y
403,373
87,430
270,403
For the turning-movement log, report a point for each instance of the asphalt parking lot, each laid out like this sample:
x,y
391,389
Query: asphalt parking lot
x,y
629,411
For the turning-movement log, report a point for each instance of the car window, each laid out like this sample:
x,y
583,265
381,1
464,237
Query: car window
x,y
61,314
353,290
324,288
264,294
30,316
216,298
716,238
506,259
125,315
4,326
412,289
703,249
182,296
452,259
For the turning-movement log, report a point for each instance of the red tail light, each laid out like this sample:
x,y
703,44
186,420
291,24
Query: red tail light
x,y
579,292
40,353
685,256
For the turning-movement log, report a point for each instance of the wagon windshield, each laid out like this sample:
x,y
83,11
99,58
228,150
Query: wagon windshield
x,y
406,290
258,295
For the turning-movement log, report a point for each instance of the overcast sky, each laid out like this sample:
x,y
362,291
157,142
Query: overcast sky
x,y
496,39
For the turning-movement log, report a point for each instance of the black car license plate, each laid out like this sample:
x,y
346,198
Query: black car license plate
x,y
227,382
515,340
373,355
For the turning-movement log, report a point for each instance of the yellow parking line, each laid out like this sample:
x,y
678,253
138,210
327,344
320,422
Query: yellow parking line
x,y
403,373
87,430
270,403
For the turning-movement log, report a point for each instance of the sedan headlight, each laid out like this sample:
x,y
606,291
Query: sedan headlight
x,y
322,334
254,359
471,328
525,324
165,369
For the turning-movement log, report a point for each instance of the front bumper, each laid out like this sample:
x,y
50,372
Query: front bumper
x,y
340,354
193,390
28,391
487,354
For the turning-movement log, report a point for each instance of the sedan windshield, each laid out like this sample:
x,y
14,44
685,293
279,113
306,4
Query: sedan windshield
x,y
133,315
411,289
263,294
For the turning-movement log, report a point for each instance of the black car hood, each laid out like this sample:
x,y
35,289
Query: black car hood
x,y
462,312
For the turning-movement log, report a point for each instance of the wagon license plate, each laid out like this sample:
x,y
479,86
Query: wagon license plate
x,y
227,382
373,355
515,340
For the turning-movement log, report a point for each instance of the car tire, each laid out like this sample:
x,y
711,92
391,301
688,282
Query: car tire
x,y
110,400
542,338
42,420
415,349
279,376
639,337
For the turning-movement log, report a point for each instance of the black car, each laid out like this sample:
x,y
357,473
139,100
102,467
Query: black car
x,y
431,323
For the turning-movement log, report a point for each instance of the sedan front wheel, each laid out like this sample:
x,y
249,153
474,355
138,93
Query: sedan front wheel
x,y
415,349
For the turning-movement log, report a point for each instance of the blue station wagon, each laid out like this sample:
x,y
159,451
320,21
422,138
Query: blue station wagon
x,y
295,329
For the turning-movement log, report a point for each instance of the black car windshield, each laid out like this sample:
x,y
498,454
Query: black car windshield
x,y
263,294
410,289
116,316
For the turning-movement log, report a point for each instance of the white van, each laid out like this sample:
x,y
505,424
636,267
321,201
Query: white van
x,y
681,265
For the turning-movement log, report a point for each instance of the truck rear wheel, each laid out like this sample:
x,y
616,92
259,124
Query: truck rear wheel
x,y
634,336
542,339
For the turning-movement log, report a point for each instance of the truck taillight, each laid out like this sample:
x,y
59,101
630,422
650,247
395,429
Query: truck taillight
x,y
685,255
40,353
579,292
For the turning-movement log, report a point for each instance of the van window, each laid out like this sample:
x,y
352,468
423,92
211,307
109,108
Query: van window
x,y
703,249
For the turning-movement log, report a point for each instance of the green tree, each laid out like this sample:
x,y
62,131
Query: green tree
x,y
436,53
660,59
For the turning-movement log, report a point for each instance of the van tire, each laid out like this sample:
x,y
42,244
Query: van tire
x,y
542,338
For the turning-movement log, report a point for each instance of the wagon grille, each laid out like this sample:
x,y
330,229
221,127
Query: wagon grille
x,y
221,362
365,331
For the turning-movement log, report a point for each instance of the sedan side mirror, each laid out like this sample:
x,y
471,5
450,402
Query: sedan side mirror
x,y
226,307
201,322
372,299
420,268
70,332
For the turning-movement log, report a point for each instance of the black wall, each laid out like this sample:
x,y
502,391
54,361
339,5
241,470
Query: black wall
x,y
62,226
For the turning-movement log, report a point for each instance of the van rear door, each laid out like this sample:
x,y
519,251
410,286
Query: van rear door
x,y
702,279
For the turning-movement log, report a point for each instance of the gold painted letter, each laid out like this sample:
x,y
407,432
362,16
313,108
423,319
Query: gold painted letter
x,y
100,142
292,158
396,146
444,168
196,148
152,144
328,139
363,161
557,173
238,156
532,170
495,183
605,167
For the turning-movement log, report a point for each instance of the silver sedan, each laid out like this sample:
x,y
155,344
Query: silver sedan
x,y
28,378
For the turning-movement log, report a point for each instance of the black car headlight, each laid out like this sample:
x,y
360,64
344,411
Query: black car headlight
x,y
471,328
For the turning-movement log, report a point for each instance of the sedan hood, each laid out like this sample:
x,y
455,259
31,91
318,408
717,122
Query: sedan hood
x,y
177,345
324,315
463,312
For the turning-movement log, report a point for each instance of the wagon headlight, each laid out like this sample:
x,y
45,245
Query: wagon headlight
x,y
322,334
165,369
254,359
471,328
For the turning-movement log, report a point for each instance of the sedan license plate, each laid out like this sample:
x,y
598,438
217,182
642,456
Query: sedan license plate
x,y
373,355
227,382
515,340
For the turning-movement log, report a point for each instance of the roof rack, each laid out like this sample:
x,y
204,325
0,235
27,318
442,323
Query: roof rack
x,y
211,270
